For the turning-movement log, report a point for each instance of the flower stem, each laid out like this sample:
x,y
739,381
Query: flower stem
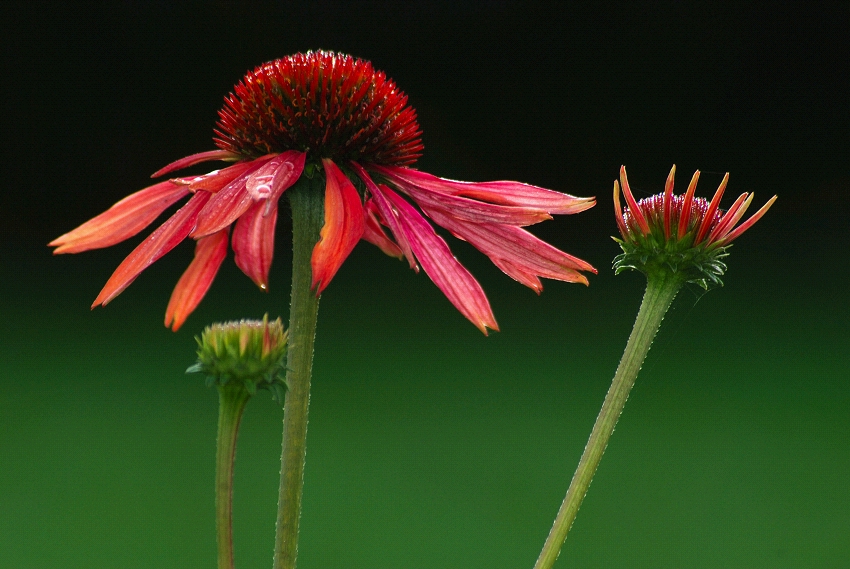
x,y
661,289
232,400
306,201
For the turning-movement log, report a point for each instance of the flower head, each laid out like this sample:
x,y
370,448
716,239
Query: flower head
x,y
249,353
334,116
682,234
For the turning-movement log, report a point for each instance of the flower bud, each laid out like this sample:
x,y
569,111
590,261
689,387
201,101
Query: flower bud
x,y
249,353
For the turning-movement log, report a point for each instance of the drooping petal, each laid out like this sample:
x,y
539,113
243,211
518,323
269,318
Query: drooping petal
x,y
343,228
388,214
499,192
123,220
217,179
196,159
227,204
276,176
210,252
459,286
517,252
376,235
161,241
253,242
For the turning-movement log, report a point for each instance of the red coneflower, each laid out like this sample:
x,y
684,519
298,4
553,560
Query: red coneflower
x,y
329,115
680,233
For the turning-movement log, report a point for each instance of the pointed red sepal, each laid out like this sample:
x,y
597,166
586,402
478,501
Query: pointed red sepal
x,y
708,218
618,211
161,241
196,159
685,215
734,234
668,198
634,210
210,252
343,228
253,242
123,220
376,235
457,283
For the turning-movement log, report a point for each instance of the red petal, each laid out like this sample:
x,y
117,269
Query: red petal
x,y
634,210
196,159
253,242
343,228
618,211
708,218
686,205
217,179
668,198
376,235
747,224
459,286
499,192
227,204
388,214
161,241
522,251
123,220
210,251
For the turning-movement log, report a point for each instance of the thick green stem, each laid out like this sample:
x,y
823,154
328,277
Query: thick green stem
x,y
232,400
306,200
661,289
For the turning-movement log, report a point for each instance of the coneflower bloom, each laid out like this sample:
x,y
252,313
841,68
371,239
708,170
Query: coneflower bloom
x,y
684,234
329,115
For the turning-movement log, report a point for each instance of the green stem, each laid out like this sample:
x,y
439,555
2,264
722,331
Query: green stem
x,y
231,403
306,200
661,289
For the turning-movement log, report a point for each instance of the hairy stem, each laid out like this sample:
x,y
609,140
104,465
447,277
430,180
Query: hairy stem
x,y
306,200
661,289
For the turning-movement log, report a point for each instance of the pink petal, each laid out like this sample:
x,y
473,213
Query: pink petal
x,y
196,159
343,228
161,241
525,255
210,252
253,242
123,220
227,204
388,214
376,235
459,286
499,192
473,210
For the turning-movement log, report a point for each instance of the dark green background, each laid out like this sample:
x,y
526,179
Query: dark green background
x,y
431,446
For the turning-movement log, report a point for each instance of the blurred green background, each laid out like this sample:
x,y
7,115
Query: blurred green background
x,y
431,445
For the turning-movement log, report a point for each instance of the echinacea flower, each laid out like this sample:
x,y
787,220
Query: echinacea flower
x,y
683,234
330,115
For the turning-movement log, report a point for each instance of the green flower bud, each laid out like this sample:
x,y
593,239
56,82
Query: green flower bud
x,y
249,353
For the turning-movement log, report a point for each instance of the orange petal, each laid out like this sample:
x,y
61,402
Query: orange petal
x,y
123,220
161,241
343,228
210,251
